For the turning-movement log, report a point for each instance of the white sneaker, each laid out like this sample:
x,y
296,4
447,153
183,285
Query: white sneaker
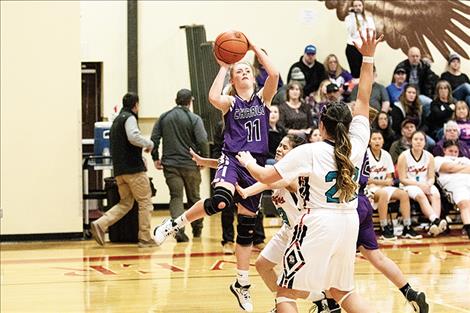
x,y
165,229
243,296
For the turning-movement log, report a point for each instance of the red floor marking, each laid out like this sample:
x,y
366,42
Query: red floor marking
x,y
195,254
171,267
103,270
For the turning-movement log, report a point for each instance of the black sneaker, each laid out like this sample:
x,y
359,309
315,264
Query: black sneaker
x,y
437,226
319,306
180,236
387,233
409,232
417,301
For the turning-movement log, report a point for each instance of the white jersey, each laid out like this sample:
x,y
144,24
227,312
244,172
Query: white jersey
x,y
316,160
288,204
379,168
417,169
446,178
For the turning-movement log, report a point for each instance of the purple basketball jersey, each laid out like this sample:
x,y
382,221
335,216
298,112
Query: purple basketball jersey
x,y
246,126
365,174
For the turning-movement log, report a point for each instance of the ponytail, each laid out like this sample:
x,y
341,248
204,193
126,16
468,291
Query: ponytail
x,y
336,119
346,185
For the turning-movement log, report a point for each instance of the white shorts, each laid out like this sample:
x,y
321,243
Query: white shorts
x,y
460,191
274,250
415,191
389,190
322,252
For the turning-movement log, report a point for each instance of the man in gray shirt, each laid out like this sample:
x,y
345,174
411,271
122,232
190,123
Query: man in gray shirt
x,y
181,129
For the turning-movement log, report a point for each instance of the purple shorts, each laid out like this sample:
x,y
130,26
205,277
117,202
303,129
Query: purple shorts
x,y
231,171
366,236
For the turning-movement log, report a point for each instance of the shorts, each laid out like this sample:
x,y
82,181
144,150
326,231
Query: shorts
x,y
460,191
274,250
389,190
322,251
231,171
415,191
366,236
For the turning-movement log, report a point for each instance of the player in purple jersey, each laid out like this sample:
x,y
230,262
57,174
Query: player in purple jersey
x,y
369,248
246,115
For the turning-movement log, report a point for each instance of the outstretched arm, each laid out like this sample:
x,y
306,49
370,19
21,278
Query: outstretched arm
x,y
265,175
221,102
366,78
200,161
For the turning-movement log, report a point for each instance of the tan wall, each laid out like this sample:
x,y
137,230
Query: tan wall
x,y
40,117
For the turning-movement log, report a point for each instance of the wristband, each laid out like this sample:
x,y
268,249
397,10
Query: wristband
x,y
367,59
249,162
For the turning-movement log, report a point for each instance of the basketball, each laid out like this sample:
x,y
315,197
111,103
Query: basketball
x,y
231,46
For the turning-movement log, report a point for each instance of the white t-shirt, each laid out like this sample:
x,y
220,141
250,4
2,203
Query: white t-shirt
x,y
446,178
379,168
316,160
351,25
417,169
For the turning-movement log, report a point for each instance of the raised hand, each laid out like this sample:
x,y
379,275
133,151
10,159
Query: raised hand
x,y
369,43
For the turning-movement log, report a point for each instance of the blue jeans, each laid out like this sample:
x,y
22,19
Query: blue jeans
x,y
426,103
462,92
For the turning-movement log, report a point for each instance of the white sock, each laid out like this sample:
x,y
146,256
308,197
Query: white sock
x,y
242,277
433,217
181,220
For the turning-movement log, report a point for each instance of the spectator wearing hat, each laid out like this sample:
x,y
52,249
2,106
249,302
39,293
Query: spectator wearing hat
x,y
314,71
408,127
398,84
419,73
180,130
459,81
379,99
333,92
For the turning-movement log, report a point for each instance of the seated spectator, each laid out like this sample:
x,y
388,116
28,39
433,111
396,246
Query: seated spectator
x,y
408,127
419,72
416,173
378,98
314,71
442,109
395,89
454,176
408,107
333,93
337,74
314,135
296,76
451,132
462,117
459,81
316,99
380,186
381,123
261,75
294,114
276,132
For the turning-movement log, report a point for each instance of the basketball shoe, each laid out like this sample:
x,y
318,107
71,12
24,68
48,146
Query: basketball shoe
x,y
243,296
417,301
165,229
409,232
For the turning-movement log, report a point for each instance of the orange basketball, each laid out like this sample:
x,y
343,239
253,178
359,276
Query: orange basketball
x,y
231,46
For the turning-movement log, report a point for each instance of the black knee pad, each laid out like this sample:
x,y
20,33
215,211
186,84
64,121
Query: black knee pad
x,y
221,195
245,229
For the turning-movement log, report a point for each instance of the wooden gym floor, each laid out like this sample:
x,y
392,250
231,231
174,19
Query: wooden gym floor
x,y
80,276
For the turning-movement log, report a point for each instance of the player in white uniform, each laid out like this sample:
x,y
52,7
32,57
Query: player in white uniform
x,y
380,186
322,251
288,200
454,176
416,173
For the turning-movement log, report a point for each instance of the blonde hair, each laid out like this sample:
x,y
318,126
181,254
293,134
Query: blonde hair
x,y
339,68
317,96
336,120
464,104
232,91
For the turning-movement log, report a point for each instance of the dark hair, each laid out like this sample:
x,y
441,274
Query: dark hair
x,y
419,132
375,131
336,119
450,142
414,108
129,100
290,86
295,140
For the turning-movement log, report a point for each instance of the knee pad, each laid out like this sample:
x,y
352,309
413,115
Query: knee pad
x,y
245,229
221,196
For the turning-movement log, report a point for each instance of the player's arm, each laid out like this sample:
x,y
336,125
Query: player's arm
x,y
204,162
216,98
265,175
431,172
451,168
402,175
366,78
270,85
388,181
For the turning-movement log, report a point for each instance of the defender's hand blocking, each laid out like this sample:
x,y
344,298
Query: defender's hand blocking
x,y
241,191
245,158
195,157
369,43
